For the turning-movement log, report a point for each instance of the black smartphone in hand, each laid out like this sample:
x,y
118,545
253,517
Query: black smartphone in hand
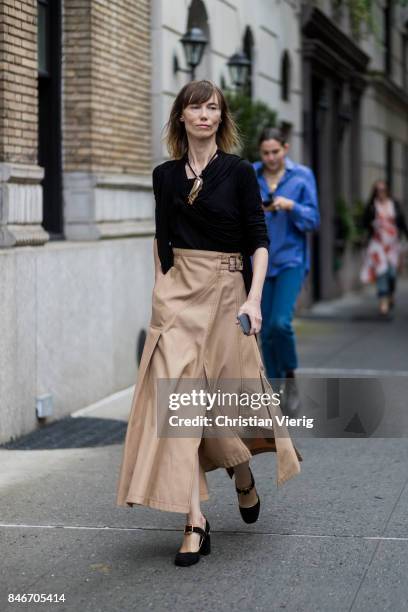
x,y
269,200
245,323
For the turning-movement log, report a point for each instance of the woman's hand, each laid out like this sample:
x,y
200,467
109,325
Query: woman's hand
x,y
252,307
281,203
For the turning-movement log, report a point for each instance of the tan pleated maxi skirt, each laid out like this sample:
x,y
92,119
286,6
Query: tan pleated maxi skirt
x,y
193,335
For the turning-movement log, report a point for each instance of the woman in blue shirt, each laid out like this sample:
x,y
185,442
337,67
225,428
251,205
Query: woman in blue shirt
x,y
289,197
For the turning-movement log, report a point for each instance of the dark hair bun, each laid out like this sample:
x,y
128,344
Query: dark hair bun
x,y
272,133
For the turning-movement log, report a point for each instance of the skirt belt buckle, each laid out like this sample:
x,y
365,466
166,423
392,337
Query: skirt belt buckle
x,y
231,263
234,263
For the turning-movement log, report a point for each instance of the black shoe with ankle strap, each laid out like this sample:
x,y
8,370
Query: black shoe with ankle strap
x,y
251,514
189,558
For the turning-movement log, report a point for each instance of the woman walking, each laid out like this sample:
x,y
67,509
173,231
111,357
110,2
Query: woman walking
x,y
385,222
289,198
209,221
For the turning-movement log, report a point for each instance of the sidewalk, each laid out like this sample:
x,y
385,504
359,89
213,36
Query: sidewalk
x,y
349,334
334,538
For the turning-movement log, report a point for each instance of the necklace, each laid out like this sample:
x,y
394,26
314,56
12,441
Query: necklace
x,y
198,183
277,177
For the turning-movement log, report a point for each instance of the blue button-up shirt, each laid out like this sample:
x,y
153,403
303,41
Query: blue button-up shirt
x,y
287,228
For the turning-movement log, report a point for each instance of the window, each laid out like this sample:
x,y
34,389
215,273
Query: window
x,y
248,47
404,61
43,37
49,113
285,76
198,18
387,41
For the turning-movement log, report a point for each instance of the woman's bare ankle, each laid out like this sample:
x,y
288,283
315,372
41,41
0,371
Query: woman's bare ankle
x,y
195,518
242,476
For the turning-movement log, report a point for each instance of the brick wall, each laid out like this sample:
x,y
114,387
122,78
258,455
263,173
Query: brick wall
x,y
18,81
107,118
77,96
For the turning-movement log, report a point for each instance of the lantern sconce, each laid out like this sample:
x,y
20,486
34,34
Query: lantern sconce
x,y
238,66
194,42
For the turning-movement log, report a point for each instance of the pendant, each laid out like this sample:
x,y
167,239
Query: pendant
x,y
197,185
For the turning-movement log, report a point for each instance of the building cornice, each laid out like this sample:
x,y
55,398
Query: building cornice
x,y
381,83
330,43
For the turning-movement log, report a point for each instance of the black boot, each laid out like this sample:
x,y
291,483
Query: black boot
x,y
290,405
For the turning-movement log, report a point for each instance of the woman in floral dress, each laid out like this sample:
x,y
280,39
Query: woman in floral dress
x,y
384,220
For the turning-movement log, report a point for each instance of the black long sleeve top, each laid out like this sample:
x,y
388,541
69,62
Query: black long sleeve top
x,y
369,216
226,216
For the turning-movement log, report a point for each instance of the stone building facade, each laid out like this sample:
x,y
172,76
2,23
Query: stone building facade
x,y
267,31
345,112
355,121
107,119
21,204
76,208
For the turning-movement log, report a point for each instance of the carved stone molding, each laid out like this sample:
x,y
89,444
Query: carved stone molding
x,y
107,206
21,205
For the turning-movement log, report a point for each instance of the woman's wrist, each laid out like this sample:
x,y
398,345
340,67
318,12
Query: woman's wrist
x,y
256,298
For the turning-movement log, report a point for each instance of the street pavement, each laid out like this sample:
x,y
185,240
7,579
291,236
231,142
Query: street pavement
x,y
335,538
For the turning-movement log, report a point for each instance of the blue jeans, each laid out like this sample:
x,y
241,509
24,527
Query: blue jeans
x,y
386,282
277,335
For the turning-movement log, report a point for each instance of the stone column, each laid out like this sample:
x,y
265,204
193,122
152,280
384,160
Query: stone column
x,y
326,121
307,107
356,131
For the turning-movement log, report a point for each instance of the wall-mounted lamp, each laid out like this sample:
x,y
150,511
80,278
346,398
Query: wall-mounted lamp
x,y
194,42
238,66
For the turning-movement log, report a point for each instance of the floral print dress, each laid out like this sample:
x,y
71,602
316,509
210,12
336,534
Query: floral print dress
x,y
384,246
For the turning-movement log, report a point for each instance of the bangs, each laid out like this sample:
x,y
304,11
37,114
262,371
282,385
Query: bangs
x,y
199,92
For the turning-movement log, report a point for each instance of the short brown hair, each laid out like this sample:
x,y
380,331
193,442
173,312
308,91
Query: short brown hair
x,y
197,92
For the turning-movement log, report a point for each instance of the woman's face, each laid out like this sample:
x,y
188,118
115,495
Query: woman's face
x,y
273,154
381,190
202,120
